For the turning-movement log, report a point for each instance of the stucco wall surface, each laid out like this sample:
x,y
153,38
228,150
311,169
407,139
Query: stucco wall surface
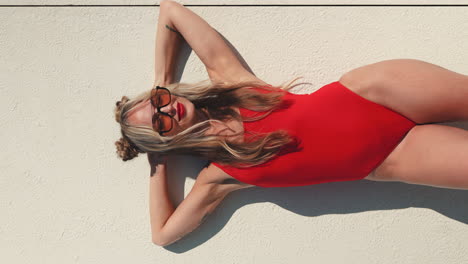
x,y
231,2
65,197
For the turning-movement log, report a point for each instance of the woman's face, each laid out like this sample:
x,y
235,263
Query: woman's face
x,y
185,118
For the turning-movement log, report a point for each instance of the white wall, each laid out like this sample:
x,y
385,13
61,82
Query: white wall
x,y
66,198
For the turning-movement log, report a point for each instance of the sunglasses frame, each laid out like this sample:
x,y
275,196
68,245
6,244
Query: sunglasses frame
x,y
158,108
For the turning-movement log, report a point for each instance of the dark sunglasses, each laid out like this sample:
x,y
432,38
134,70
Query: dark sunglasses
x,y
162,122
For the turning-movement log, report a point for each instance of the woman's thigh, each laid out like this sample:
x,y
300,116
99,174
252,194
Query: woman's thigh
x,y
421,91
432,154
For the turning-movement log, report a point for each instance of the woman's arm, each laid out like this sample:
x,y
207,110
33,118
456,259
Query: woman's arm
x,y
168,224
168,42
160,205
220,61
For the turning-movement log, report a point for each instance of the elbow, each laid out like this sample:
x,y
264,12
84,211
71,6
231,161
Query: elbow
x,y
158,244
166,4
158,241
161,241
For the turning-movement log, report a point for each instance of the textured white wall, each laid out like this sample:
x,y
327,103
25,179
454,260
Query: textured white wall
x,y
66,198
227,2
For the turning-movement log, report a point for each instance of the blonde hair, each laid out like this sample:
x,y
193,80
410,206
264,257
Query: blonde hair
x,y
215,98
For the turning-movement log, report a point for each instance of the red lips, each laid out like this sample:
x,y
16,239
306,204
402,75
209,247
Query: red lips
x,y
180,110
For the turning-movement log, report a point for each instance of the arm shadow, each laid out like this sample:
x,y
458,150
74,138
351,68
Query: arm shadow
x,y
328,198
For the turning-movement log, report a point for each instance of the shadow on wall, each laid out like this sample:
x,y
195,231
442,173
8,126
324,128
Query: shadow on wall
x,y
329,198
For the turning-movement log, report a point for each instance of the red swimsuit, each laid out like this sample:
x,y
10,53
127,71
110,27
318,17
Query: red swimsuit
x,y
342,136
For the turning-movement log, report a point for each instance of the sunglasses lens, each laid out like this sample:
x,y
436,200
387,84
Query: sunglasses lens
x,y
160,97
162,123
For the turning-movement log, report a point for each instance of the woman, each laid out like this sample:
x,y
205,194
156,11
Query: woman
x,y
373,123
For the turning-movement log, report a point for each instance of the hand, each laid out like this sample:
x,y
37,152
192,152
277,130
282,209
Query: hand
x,y
157,162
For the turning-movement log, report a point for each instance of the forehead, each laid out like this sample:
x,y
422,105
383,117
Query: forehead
x,y
140,114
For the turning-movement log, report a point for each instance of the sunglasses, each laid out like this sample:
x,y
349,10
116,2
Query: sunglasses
x,y
162,122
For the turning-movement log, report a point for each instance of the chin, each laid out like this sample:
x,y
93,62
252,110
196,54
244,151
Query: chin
x,y
189,111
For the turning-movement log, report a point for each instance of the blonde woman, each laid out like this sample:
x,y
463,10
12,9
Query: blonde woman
x,y
373,123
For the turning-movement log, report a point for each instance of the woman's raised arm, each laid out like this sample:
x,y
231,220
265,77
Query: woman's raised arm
x,y
220,61
167,47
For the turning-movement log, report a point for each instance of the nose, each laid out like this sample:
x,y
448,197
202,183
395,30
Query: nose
x,y
169,109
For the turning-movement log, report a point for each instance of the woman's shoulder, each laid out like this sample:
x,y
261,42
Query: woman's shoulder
x,y
214,174
250,79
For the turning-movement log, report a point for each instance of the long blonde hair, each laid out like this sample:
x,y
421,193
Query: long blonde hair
x,y
215,98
